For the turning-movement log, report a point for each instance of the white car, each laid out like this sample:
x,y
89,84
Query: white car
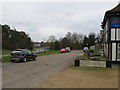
x,y
85,49
68,49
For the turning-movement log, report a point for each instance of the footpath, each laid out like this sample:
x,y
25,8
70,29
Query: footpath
x,y
82,78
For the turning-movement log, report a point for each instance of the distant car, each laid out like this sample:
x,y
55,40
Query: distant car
x,y
85,49
68,49
22,55
63,50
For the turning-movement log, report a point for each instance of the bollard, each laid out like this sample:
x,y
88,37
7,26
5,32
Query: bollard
x,y
77,62
108,64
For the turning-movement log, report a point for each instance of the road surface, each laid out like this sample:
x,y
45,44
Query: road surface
x,y
31,73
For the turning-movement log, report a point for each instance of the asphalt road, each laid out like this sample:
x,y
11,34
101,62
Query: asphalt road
x,y
31,73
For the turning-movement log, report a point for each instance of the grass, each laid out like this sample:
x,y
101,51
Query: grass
x,y
47,52
83,57
5,51
91,68
7,58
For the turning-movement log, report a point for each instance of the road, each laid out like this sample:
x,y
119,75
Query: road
x,y
31,73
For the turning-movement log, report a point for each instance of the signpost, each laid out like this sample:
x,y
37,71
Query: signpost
x,y
115,22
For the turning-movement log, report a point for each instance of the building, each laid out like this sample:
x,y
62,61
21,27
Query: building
x,y
37,44
111,34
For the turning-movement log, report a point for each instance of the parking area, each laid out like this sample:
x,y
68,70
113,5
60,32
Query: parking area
x,y
83,78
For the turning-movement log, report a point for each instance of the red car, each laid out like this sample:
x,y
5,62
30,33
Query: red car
x,y
63,50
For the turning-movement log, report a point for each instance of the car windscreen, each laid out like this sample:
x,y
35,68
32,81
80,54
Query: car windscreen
x,y
16,51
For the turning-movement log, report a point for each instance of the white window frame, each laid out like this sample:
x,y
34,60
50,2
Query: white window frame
x,y
118,34
112,34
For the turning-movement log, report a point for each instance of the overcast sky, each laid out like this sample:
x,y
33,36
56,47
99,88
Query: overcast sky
x,y
42,19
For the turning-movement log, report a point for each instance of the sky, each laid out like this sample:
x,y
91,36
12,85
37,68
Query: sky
x,y
42,19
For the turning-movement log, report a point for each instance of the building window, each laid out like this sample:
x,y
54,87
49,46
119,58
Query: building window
x,y
118,34
112,34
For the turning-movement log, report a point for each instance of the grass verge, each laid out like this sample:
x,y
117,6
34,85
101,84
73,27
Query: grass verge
x,y
92,68
5,51
47,52
7,58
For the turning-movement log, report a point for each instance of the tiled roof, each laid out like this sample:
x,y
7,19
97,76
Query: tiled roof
x,y
115,9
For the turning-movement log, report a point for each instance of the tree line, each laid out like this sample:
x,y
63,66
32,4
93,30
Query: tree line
x,y
12,39
75,41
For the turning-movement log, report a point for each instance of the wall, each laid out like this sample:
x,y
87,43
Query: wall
x,y
118,51
106,50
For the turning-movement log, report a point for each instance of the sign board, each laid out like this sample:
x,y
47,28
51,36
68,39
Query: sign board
x,y
47,47
88,63
115,22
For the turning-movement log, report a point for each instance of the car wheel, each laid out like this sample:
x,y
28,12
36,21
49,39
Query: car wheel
x,y
12,61
34,58
25,59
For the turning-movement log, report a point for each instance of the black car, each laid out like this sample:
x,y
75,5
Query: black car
x,y
22,55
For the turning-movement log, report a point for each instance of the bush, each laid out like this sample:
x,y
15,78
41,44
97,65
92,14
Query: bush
x,y
94,52
80,57
5,59
91,51
90,54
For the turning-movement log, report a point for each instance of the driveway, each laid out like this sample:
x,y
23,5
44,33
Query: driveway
x,y
31,73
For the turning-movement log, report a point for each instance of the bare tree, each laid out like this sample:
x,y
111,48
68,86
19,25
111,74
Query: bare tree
x,y
69,35
52,39
77,38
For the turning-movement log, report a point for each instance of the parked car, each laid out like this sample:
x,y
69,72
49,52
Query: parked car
x,y
22,55
68,49
63,50
85,49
